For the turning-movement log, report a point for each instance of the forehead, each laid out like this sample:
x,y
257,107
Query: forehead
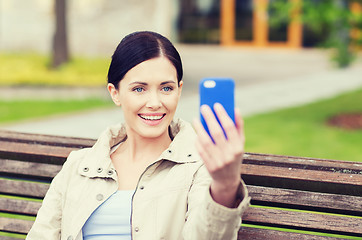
x,y
155,69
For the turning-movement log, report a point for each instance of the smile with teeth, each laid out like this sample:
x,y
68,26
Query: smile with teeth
x,y
152,117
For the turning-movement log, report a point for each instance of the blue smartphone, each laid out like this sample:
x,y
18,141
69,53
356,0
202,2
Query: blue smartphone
x,y
217,90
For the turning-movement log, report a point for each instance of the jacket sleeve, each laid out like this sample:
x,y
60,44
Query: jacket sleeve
x,y
206,219
47,225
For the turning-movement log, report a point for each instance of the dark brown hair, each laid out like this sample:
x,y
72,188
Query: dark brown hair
x,y
138,47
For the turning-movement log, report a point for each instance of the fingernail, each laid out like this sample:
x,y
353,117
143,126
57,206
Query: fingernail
x,y
203,108
217,105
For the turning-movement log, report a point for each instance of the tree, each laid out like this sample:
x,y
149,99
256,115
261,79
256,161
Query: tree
x,y
333,17
60,42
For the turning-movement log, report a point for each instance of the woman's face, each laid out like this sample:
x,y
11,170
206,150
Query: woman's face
x,y
148,95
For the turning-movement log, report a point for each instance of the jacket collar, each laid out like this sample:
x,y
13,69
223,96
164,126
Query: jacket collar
x,y
97,162
182,148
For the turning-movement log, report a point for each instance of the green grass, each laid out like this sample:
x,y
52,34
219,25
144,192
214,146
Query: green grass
x,y
33,69
11,111
302,131
13,235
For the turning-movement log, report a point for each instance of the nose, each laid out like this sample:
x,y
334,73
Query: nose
x,y
154,101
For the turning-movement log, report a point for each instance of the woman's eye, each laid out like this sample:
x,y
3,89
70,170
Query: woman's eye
x,y
167,89
137,89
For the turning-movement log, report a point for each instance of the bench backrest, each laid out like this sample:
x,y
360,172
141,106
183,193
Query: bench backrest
x,y
312,195
302,196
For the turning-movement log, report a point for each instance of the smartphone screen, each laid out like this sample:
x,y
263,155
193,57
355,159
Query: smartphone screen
x,y
217,90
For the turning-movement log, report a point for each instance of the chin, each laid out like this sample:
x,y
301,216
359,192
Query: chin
x,y
153,134
151,130
154,131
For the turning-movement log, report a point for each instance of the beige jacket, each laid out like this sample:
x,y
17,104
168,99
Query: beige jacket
x,y
171,201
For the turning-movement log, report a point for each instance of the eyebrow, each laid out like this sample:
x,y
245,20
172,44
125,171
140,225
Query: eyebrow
x,y
168,82
138,83
145,83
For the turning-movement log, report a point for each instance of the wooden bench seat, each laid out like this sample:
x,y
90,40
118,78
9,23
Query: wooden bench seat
x,y
292,197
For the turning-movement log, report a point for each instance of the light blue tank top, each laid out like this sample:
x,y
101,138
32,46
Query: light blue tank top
x,y
112,219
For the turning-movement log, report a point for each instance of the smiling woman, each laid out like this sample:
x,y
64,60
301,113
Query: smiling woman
x,y
149,94
151,177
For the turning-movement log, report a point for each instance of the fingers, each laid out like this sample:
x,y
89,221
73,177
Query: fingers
x,y
223,155
234,131
213,125
226,122
239,122
205,146
202,134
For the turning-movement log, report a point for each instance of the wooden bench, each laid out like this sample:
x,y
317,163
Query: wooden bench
x,y
292,198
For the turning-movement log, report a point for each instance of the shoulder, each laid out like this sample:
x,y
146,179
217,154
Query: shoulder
x,y
182,132
78,154
75,157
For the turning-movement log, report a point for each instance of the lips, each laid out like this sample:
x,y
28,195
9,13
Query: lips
x,y
152,117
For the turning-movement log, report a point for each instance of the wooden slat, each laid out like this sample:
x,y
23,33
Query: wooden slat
x,y
301,162
45,139
341,203
271,159
19,206
11,149
30,189
15,225
303,220
267,234
29,168
297,174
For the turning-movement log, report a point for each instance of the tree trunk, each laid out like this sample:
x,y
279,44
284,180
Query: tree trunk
x,y
60,43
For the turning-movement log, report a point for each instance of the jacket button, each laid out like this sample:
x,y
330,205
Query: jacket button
x,y
110,172
142,187
99,170
85,169
189,155
99,197
70,238
169,151
136,229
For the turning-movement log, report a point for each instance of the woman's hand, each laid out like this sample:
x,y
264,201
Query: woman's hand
x,y
222,157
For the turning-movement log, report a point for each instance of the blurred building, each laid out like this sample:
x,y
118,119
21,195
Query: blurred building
x,y
245,23
96,26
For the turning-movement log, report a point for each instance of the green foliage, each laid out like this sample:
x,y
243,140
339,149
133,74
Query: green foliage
x,y
33,69
330,17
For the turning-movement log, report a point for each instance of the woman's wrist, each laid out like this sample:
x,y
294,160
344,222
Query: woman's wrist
x,y
226,194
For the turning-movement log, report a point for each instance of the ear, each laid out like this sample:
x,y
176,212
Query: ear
x,y
180,84
113,91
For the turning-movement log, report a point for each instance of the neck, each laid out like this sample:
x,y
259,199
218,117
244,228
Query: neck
x,y
143,149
